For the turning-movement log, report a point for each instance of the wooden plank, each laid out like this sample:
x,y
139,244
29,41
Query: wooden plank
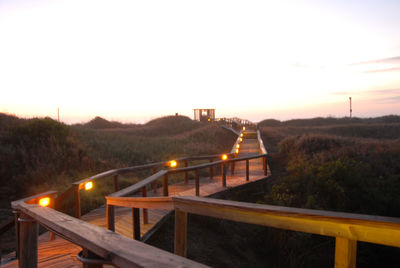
x,y
122,251
373,229
345,253
140,202
138,186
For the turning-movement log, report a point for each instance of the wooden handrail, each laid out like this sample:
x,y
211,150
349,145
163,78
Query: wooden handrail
x,y
164,202
138,186
115,248
261,143
348,228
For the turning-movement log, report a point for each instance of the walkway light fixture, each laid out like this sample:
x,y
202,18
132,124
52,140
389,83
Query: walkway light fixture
x,y
241,135
224,157
237,151
237,146
88,185
173,163
244,128
44,202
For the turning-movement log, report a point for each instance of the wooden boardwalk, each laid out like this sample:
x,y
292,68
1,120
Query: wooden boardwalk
x,y
61,253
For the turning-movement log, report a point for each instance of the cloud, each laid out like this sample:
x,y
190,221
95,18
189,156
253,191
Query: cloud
x,y
386,60
377,92
393,99
383,70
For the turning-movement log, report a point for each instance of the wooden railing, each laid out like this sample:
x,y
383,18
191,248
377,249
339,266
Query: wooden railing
x,y
115,173
99,245
117,198
347,228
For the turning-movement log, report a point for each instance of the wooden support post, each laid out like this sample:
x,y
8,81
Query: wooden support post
x,y
145,212
345,253
186,173
154,182
180,233
223,175
265,166
136,223
211,170
196,179
116,188
165,185
77,200
52,236
90,255
16,222
28,238
110,218
247,170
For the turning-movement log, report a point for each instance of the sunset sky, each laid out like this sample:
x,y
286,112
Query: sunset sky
x,y
136,60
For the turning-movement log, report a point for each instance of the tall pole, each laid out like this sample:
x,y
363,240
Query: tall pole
x,y
351,110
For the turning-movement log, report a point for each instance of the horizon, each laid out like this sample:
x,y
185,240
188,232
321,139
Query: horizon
x,y
133,61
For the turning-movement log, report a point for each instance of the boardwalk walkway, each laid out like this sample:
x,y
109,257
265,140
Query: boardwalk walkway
x,y
61,253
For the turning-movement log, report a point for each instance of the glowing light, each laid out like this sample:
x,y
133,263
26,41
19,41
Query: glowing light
x,y
209,119
237,146
173,163
241,139
241,134
88,185
244,128
237,151
224,157
44,202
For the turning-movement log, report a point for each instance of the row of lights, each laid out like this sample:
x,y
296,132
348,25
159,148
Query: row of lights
x,y
45,201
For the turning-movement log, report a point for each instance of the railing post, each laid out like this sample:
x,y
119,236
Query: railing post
x,y
165,185
211,170
116,188
77,200
145,212
345,253
233,168
90,255
110,217
265,166
186,173
247,170
223,175
52,205
154,182
16,222
196,178
180,233
136,223
28,238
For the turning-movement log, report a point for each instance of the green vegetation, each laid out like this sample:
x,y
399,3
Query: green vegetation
x,y
350,165
38,155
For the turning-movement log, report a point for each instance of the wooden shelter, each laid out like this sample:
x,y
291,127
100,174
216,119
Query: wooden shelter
x,y
204,115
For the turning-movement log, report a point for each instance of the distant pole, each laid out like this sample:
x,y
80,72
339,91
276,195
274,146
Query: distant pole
x,y
58,114
351,110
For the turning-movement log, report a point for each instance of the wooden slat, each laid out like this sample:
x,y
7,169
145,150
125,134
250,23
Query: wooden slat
x,y
140,202
138,186
366,228
122,251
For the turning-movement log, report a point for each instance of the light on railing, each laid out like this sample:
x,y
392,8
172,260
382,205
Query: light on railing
x,y
244,128
88,185
241,135
224,157
237,146
241,139
44,202
173,163
237,151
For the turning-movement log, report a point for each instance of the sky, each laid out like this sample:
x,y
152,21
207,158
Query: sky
x,y
133,61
